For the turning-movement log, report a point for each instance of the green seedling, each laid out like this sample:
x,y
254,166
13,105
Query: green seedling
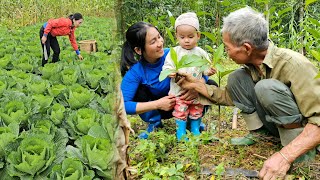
x,y
216,60
184,62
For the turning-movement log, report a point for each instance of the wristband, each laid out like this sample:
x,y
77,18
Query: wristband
x,y
284,157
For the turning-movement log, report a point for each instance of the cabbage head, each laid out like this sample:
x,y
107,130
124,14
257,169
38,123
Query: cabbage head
x,y
21,78
57,113
8,134
69,76
14,111
82,120
71,169
57,89
43,126
42,102
50,69
93,77
86,66
100,155
23,63
97,151
34,155
79,96
38,87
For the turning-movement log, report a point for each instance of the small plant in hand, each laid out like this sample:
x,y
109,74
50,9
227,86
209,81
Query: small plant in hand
x,y
186,61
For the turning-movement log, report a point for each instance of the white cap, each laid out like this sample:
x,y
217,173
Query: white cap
x,y
189,18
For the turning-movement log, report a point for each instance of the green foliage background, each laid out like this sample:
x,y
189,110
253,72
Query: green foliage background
x,y
292,24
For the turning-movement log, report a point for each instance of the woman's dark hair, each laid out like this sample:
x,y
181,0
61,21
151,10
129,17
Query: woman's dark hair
x,y
135,37
75,16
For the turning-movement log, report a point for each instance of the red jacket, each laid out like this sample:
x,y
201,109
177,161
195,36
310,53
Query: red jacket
x,y
62,27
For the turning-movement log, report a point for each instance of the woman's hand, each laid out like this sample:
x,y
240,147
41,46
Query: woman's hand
x,y
166,103
43,39
80,57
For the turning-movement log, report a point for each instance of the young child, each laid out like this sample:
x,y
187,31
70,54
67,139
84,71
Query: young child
x,y
187,33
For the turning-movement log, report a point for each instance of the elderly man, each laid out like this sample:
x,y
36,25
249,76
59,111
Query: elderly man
x,y
275,90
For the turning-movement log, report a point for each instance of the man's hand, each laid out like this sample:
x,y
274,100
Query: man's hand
x,y
275,167
187,81
80,57
194,87
43,39
189,95
166,103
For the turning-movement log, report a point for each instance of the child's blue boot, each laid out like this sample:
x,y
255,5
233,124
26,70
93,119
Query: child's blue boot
x,y
181,129
195,126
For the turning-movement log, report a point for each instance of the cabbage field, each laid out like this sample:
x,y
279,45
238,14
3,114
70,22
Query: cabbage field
x,y
60,121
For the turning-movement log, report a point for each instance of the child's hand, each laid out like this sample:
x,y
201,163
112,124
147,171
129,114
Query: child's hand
x,y
211,71
172,75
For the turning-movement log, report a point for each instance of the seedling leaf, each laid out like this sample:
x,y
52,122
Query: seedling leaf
x,y
165,73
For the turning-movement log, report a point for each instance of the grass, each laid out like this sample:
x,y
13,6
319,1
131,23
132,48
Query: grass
x,y
210,150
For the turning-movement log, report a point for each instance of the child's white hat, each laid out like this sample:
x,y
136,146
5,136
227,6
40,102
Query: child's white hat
x,y
189,18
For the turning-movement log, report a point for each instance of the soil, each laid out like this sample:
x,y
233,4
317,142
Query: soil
x,y
219,150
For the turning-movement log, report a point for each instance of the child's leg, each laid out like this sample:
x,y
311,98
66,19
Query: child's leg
x,y
195,114
180,112
195,111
